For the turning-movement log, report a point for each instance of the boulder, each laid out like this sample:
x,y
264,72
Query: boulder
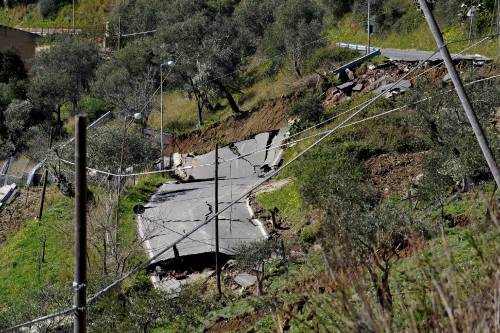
x,y
245,280
357,87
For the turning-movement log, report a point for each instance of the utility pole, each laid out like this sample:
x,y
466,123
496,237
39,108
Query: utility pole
x,y
119,31
498,27
162,166
162,145
73,17
80,283
457,82
217,263
44,188
42,199
368,28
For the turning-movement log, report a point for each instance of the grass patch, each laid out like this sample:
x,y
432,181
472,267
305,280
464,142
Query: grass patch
x,y
348,29
21,254
89,14
180,114
19,275
287,200
137,194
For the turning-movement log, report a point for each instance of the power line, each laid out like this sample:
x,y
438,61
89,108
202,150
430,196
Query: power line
x,y
106,115
143,265
267,148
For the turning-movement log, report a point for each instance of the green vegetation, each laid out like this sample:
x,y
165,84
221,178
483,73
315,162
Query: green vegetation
x,y
361,255
20,276
90,14
23,276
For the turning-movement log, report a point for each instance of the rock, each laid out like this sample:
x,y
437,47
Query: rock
x,y
418,179
346,86
402,86
357,87
245,280
349,74
178,162
447,78
333,99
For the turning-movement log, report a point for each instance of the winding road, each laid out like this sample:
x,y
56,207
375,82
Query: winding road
x,y
178,207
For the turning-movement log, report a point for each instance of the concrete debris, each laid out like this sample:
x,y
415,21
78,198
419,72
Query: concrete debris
x,y
245,280
178,163
7,194
350,74
402,86
357,87
346,86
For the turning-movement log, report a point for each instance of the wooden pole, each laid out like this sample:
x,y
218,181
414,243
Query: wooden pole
x,y
80,283
45,176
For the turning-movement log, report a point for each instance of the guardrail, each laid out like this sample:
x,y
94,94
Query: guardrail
x,y
355,63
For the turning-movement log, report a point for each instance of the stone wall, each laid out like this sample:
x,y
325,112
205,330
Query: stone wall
x,y
23,42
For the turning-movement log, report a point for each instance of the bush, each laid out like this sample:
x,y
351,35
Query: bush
x,y
308,109
329,174
47,8
328,56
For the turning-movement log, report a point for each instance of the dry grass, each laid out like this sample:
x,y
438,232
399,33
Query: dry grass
x,y
267,89
181,115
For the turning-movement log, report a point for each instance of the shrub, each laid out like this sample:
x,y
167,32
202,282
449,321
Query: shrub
x,y
328,56
47,8
308,109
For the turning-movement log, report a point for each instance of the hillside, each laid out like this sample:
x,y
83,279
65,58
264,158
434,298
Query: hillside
x,y
349,200
57,14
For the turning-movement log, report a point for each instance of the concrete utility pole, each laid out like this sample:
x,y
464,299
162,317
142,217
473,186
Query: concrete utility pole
x,y
217,263
73,17
162,146
457,82
498,27
162,166
369,28
119,31
471,14
80,283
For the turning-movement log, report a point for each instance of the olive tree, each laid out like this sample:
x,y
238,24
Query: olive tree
x,y
207,52
62,74
251,257
296,31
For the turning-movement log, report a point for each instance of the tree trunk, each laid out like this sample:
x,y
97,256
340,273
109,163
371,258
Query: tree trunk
x,y
386,291
199,102
297,68
229,97
59,122
384,296
207,104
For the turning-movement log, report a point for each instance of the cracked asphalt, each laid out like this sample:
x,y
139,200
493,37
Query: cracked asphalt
x,y
177,208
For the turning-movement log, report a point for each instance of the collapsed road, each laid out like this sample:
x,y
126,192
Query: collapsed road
x,y
179,206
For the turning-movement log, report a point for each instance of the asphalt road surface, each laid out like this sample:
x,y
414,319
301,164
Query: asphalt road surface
x,y
178,207
415,55
411,55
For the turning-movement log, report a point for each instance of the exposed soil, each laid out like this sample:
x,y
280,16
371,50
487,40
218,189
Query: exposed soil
x,y
320,283
390,173
22,209
460,220
238,324
272,115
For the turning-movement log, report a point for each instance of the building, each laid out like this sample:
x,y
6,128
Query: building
x,y
22,41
